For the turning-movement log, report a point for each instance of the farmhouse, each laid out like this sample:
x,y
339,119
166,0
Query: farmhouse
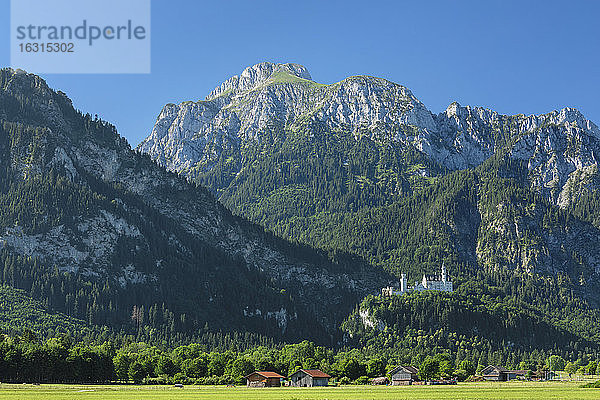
x,y
309,378
264,379
441,284
495,373
404,375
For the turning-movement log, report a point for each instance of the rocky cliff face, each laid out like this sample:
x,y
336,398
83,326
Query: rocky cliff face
x,y
559,148
192,134
146,228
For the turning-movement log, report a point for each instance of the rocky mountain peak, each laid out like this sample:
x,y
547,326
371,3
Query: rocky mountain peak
x,y
17,85
455,110
257,74
574,117
20,83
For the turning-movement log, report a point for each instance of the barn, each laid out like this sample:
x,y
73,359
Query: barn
x,y
309,378
404,375
264,379
495,373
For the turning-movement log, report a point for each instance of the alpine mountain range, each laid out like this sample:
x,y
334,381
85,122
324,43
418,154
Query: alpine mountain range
x,y
279,206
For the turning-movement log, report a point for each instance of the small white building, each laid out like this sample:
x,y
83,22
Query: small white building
x,y
441,284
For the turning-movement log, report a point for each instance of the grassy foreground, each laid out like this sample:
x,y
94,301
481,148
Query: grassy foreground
x,y
512,390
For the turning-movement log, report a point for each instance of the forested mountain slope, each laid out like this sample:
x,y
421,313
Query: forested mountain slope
x,y
101,233
19,313
362,166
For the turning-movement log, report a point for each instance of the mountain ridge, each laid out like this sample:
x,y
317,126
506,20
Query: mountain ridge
x,y
457,138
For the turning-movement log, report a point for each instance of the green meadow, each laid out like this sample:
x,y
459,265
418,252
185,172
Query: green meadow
x,y
511,390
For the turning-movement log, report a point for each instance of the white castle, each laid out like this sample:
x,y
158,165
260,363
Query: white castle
x,y
441,284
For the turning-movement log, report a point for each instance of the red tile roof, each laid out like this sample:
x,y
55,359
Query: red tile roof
x,y
267,374
316,373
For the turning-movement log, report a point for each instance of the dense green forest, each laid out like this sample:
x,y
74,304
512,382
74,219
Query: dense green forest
x,y
359,193
19,312
304,171
457,323
25,358
505,245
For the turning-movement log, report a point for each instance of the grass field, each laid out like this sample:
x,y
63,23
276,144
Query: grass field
x,y
512,390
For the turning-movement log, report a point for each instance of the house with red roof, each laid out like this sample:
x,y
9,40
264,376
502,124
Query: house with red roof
x,y
264,379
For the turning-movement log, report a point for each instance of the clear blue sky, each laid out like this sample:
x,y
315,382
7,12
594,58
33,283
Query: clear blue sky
x,y
511,56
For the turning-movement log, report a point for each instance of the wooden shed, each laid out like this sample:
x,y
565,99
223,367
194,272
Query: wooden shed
x,y
404,375
309,378
264,379
495,373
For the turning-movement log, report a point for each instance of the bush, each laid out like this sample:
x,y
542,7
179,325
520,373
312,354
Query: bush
x,y
570,368
216,380
137,372
230,380
181,378
430,369
345,380
208,380
462,375
556,363
362,380
160,380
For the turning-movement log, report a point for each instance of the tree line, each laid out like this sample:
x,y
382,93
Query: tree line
x,y
26,358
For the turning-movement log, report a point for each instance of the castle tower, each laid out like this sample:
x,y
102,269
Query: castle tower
x,y
403,283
